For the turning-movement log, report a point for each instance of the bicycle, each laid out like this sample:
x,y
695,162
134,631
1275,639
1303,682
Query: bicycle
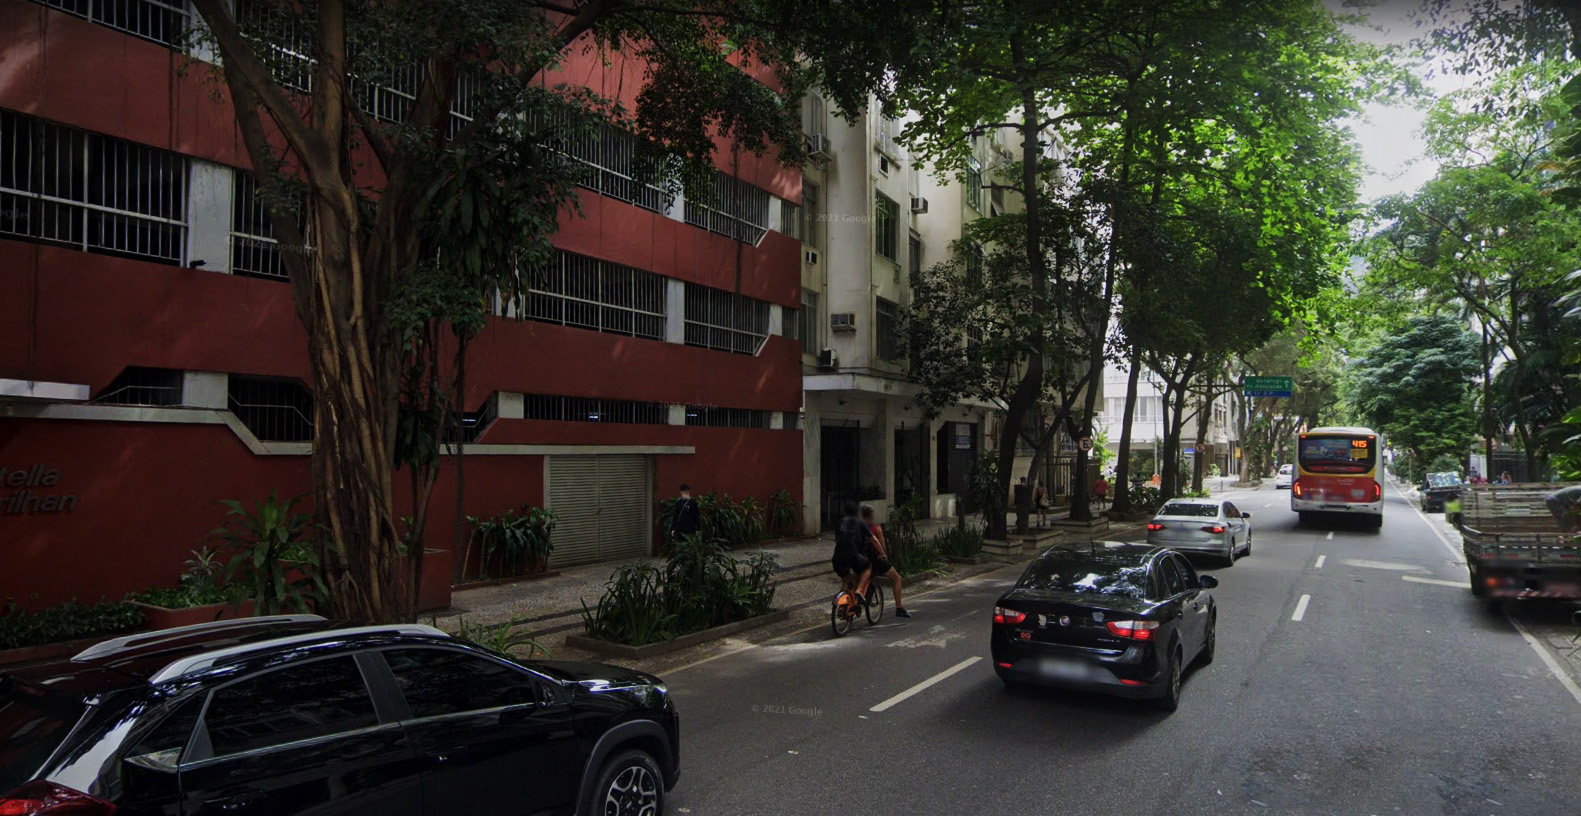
x,y
843,610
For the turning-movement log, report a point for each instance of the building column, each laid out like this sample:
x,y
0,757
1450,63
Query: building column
x,y
209,215
675,311
510,405
205,389
812,463
677,415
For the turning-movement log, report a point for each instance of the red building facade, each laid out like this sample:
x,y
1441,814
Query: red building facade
x,y
151,363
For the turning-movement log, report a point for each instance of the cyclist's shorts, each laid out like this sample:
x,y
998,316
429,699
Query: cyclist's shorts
x,y
849,565
880,567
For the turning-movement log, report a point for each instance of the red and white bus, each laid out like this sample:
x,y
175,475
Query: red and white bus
x,y
1339,470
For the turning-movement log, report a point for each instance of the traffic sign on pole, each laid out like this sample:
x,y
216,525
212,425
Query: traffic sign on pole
x,y
1269,386
1086,443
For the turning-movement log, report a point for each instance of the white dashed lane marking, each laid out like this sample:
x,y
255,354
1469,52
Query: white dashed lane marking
x,y
1301,608
1320,560
1435,581
923,686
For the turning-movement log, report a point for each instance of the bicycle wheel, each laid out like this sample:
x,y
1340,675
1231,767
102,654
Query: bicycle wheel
x,y
875,604
839,621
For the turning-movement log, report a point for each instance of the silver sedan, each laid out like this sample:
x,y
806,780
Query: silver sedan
x,y
1206,526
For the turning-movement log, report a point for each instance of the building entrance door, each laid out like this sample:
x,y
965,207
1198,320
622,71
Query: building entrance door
x,y
911,468
838,454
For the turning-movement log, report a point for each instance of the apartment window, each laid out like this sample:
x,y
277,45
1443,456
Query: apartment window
x,y
725,321
974,341
275,409
811,213
886,225
791,220
974,184
729,206
470,425
808,318
164,23
90,192
614,167
973,267
887,329
592,409
888,133
702,415
136,385
812,114
914,255
255,251
587,293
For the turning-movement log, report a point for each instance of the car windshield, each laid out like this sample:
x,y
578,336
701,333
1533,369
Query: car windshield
x,y
1105,574
31,728
1443,479
1190,509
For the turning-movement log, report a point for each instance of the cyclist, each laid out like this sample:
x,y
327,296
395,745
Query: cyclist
x,y
850,560
881,565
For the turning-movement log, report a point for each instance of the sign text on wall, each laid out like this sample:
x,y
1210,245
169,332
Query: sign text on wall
x,y
19,498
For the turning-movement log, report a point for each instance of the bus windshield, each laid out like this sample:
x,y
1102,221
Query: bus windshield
x,y
1338,454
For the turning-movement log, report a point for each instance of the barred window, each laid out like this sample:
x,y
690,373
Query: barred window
x,y
887,327
973,267
471,424
886,225
587,293
725,321
974,342
162,22
275,409
729,206
614,168
255,252
791,420
974,184
591,409
791,220
811,212
95,193
136,385
703,415
914,255
888,133
808,317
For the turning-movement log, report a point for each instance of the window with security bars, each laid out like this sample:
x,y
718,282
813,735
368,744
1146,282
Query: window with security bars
x,y
791,421
791,220
587,293
812,214
974,342
808,318
886,225
136,385
914,255
592,409
255,252
702,415
888,133
614,167
974,184
162,22
887,327
729,206
973,262
275,409
725,321
59,185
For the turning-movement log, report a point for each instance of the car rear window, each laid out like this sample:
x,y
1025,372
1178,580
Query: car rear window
x,y
1113,575
1443,479
1190,509
32,726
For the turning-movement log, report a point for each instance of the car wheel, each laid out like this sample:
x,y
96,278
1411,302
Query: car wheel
x,y
630,785
1248,549
1171,699
1479,590
1210,645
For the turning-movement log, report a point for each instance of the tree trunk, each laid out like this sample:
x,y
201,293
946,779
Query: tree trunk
x,y
1122,468
1204,414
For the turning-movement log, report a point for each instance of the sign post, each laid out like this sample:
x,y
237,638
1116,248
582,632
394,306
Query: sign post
x,y
1268,386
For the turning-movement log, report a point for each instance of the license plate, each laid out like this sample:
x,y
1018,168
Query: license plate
x,y
1064,669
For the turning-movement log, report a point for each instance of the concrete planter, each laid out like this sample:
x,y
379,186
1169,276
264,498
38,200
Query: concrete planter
x,y
683,642
160,617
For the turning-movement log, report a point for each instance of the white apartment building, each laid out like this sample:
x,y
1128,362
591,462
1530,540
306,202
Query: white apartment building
x,y
1147,426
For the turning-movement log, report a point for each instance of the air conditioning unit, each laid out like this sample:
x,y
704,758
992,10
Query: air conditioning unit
x,y
827,361
817,146
919,204
810,256
842,321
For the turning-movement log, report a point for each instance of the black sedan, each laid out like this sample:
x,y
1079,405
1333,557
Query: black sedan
x,y
1122,619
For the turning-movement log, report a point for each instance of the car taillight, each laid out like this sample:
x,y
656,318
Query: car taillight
x,y
1377,491
1213,528
1008,616
1155,526
1295,487
1133,629
49,799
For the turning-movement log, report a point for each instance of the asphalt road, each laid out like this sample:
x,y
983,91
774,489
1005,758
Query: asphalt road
x,y
1387,696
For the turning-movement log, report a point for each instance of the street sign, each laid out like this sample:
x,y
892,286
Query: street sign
x,y
1086,443
1269,386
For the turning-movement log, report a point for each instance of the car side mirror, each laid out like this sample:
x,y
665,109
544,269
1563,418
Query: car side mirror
x,y
1246,515
1207,582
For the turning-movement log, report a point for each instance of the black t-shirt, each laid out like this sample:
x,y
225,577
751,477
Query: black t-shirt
x,y
851,537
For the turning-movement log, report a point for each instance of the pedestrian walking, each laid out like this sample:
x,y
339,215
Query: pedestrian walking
x,y
1100,489
1040,497
686,516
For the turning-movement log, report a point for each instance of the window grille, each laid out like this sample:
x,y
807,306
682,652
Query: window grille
x,y
273,408
472,424
136,385
592,409
706,416
791,220
886,225
974,184
613,166
974,342
811,213
914,255
729,206
162,22
974,268
255,252
725,321
808,317
887,326
888,136
791,421
587,293
95,193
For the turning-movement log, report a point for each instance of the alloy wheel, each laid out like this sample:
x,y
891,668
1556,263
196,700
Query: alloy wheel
x,y
633,792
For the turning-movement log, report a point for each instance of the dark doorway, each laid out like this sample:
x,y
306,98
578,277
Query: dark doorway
x,y
957,443
911,467
837,455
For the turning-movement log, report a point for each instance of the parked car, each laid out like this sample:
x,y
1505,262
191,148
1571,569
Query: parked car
x,y
1122,619
294,714
1203,526
1438,488
1285,477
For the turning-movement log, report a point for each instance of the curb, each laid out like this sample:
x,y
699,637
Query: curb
x,y
684,642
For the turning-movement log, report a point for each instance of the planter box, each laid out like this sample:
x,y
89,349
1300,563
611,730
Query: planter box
x,y
682,642
433,590
509,579
160,617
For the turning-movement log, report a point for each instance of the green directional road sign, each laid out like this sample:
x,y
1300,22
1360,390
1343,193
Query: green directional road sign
x,y
1269,386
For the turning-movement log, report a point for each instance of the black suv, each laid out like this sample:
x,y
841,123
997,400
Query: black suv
x,y
294,714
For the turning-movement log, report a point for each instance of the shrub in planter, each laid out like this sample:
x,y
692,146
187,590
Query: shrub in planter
x,y
271,555
64,622
720,518
522,540
784,513
700,586
960,542
199,597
